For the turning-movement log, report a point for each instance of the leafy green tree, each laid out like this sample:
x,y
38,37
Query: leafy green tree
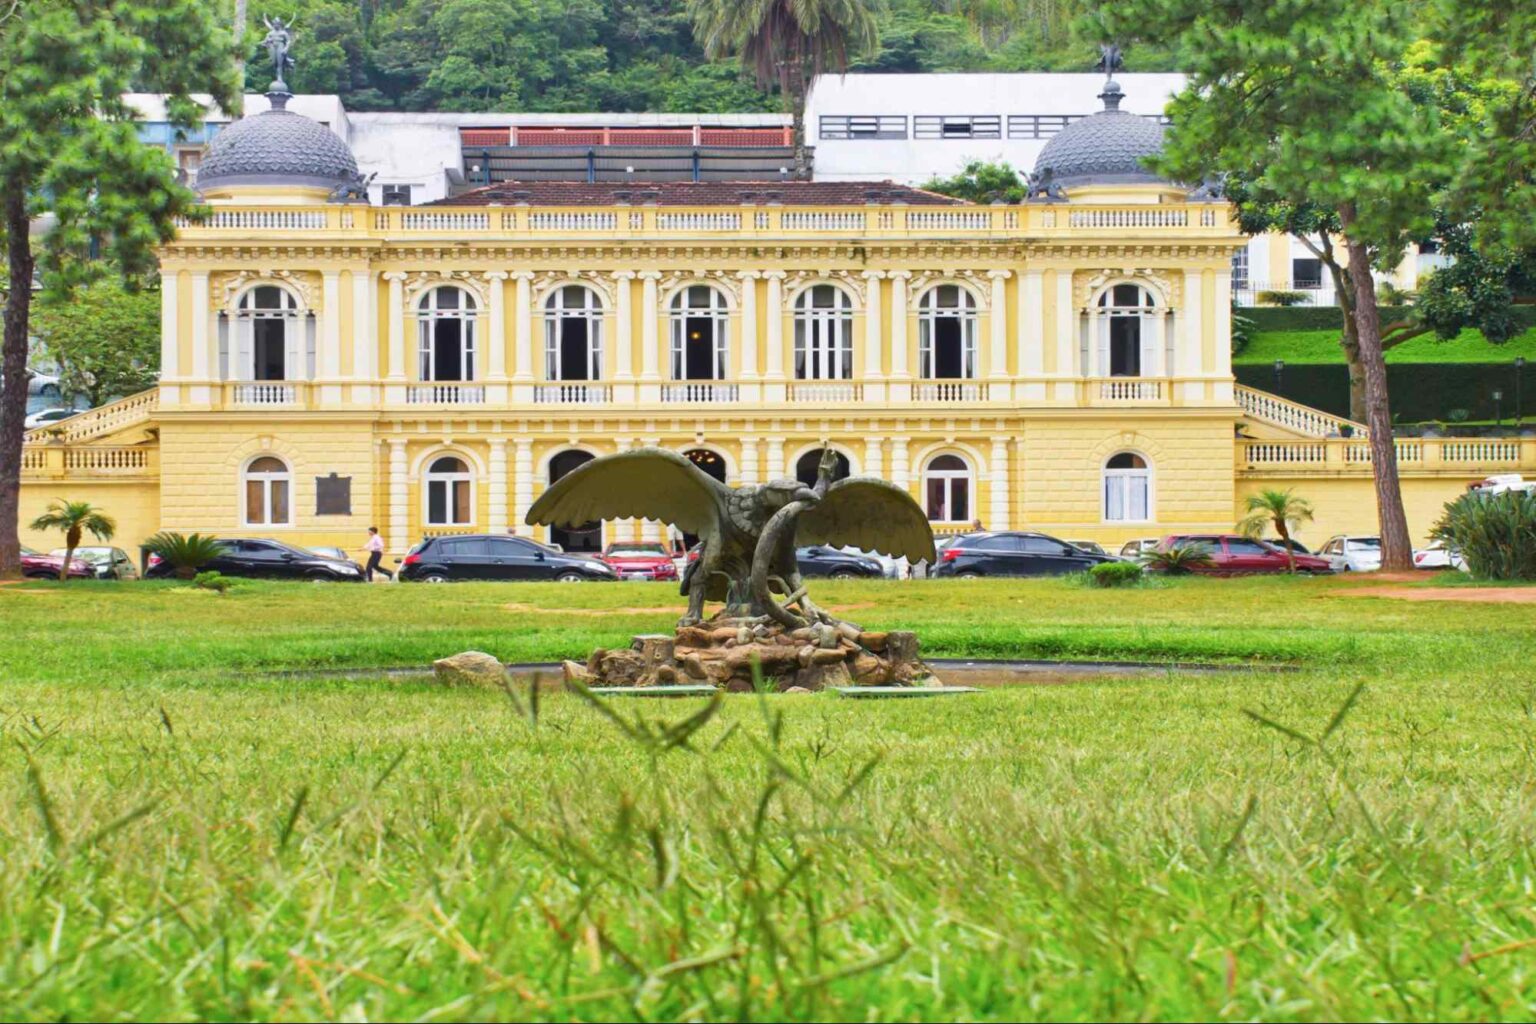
x,y
69,146
1311,101
982,182
105,340
1282,510
788,43
73,518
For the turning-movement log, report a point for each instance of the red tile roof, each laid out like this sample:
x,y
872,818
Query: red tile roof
x,y
697,193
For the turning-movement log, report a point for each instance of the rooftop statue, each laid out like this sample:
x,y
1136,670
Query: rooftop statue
x,y
278,41
1110,59
748,535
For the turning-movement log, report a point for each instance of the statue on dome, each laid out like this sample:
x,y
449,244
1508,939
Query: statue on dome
x,y
278,41
1044,188
355,190
1110,59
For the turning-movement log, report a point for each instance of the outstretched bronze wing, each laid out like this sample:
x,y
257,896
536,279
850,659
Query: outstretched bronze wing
x,y
867,513
644,483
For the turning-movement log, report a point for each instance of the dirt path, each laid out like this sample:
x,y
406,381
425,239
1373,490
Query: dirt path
x,y
1474,595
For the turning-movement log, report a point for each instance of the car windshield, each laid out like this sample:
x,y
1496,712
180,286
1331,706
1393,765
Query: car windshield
x,y
87,554
1374,543
637,551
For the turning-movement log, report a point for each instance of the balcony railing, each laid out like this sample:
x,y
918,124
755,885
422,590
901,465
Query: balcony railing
x,y
950,391
1247,291
1352,456
445,394
573,394
1129,389
1303,419
830,392
696,391
264,394
61,461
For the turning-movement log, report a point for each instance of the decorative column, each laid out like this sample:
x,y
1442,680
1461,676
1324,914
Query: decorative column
x,y
901,391
365,342
901,474
998,357
498,503
1221,369
170,340
201,392
621,369
496,347
1031,335
749,462
522,339
399,497
874,456
751,386
874,341
522,483
1001,484
1189,347
394,391
1066,339
329,369
775,458
776,390
650,355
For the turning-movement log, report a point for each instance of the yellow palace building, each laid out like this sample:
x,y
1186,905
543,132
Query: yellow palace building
x,y
1060,365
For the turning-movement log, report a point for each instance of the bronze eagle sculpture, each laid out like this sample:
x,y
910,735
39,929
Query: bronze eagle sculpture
x,y
747,535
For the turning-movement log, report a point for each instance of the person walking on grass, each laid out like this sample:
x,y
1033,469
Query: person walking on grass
x,y
375,549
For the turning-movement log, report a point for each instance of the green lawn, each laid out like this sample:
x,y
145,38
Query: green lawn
x,y
185,833
1323,347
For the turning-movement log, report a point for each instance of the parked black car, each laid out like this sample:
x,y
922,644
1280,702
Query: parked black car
x,y
259,558
486,557
1013,553
821,560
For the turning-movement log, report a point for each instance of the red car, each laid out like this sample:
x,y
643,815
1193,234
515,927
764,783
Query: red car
x,y
640,561
38,566
1235,555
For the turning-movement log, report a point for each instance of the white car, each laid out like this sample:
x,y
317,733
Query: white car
x,y
1352,554
1134,549
43,417
890,568
1437,556
1503,482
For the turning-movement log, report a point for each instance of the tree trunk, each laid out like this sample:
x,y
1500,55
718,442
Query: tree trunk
x,y
1285,542
238,38
797,92
1396,545
13,367
1350,341
71,541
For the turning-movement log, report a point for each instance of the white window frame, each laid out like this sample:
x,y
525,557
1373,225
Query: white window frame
x,y
428,312
266,478
431,478
1148,315
967,476
1118,490
929,313
556,311
718,311
823,335
298,335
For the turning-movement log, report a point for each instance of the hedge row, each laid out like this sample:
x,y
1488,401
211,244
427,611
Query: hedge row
x,y
1331,318
1419,392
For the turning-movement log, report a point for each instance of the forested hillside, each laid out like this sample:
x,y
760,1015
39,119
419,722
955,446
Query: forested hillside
x,y
621,55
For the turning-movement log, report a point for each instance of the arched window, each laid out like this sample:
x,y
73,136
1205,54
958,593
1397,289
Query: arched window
x,y
1127,489
588,536
573,347
268,486
273,339
1126,332
946,338
947,489
808,467
450,492
823,334
699,334
445,324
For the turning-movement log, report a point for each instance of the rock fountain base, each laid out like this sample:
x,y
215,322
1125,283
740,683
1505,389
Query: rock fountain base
x,y
730,653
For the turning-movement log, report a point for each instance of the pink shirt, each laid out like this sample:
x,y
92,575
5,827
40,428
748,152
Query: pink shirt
x,y
375,543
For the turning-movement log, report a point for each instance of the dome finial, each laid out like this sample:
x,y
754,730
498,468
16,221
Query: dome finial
x,y
279,41
1110,61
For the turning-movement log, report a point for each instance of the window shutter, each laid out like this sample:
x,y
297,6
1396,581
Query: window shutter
x,y
1151,338
1100,366
245,356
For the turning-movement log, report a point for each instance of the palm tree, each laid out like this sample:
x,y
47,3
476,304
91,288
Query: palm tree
x,y
1280,509
185,553
788,42
1178,559
73,518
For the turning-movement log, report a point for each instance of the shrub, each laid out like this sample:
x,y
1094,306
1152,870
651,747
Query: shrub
x,y
1495,533
186,553
1178,559
213,581
1115,574
1242,331
1280,297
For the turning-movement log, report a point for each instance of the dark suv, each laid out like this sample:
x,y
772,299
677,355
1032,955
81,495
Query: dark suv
x,y
821,560
260,558
496,557
1013,553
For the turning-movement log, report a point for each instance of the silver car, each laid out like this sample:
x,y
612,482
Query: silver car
x,y
1350,553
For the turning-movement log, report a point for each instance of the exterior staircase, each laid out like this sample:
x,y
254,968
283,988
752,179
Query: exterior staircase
x,y
1293,417
100,421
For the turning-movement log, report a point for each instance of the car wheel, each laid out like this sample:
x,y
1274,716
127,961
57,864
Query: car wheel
x,y
434,577
967,575
570,576
844,574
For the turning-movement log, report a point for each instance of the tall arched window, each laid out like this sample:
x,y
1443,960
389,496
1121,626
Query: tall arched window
x,y
947,489
450,492
588,536
808,467
268,485
1126,332
573,347
273,340
823,334
445,324
1127,489
946,339
699,334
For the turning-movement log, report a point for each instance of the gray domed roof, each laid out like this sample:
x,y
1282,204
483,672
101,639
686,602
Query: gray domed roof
x,y
1106,148
277,147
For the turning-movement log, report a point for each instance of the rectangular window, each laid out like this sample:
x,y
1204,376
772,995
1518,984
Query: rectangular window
x,y
1240,268
1306,273
863,126
945,126
1038,126
397,195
